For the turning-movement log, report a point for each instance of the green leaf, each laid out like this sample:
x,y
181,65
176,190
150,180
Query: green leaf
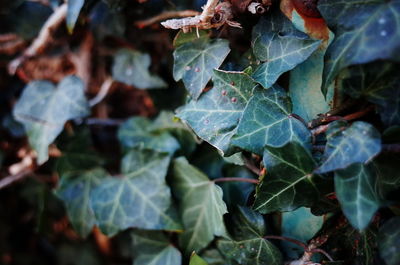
x,y
75,189
136,132
379,83
364,31
43,110
355,189
182,37
74,8
194,62
77,153
386,173
214,257
289,183
293,225
201,206
249,247
215,116
358,143
197,260
280,46
153,248
131,67
267,120
167,122
140,198
389,241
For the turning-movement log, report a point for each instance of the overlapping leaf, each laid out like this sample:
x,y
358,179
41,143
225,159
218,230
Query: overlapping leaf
x,y
74,8
379,83
248,246
215,116
201,206
289,183
75,189
140,198
197,260
194,62
137,132
389,241
153,248
280,46
131,67
43,110
267,120
358,143
355,189
365,31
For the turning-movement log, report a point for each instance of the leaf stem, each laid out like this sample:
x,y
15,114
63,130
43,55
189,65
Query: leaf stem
x,y
253,181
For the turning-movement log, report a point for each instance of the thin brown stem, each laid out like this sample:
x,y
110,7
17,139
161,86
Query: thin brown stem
x,y
253,181
292,240
14,178
105,87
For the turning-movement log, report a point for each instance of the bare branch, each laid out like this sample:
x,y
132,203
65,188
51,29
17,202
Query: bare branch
x,y
164,16
253,181
105,87
13,178
43,38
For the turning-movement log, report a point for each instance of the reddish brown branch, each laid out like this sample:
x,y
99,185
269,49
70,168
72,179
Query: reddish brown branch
x,y
253,181
164,16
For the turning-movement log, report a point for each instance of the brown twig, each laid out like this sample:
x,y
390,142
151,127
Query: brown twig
x,y
292,240
164,16
42,40
14,178
322,128
105,87
253,181
334,112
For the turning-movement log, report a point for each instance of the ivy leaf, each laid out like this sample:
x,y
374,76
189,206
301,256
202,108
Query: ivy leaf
x,y
364,31
355,190
197,260
167,122
358,143
131,67
74,8
152,247
136,132
386,172
201,206
141,198
267,120
194,62
43,109
280,46
389,241
249,247
75,189
215,116
289,183
379,83
188,37
292,225
214,257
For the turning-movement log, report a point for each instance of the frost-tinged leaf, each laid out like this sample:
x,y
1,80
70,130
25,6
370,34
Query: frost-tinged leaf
x,y
136,132
358,143
216,114
248,246
289,183
74,8
201,206
355,189
131,67
197,260
280,46
43,109
364,31
140,198
267,120
153,248
379,83
194,62
75,189
389,241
